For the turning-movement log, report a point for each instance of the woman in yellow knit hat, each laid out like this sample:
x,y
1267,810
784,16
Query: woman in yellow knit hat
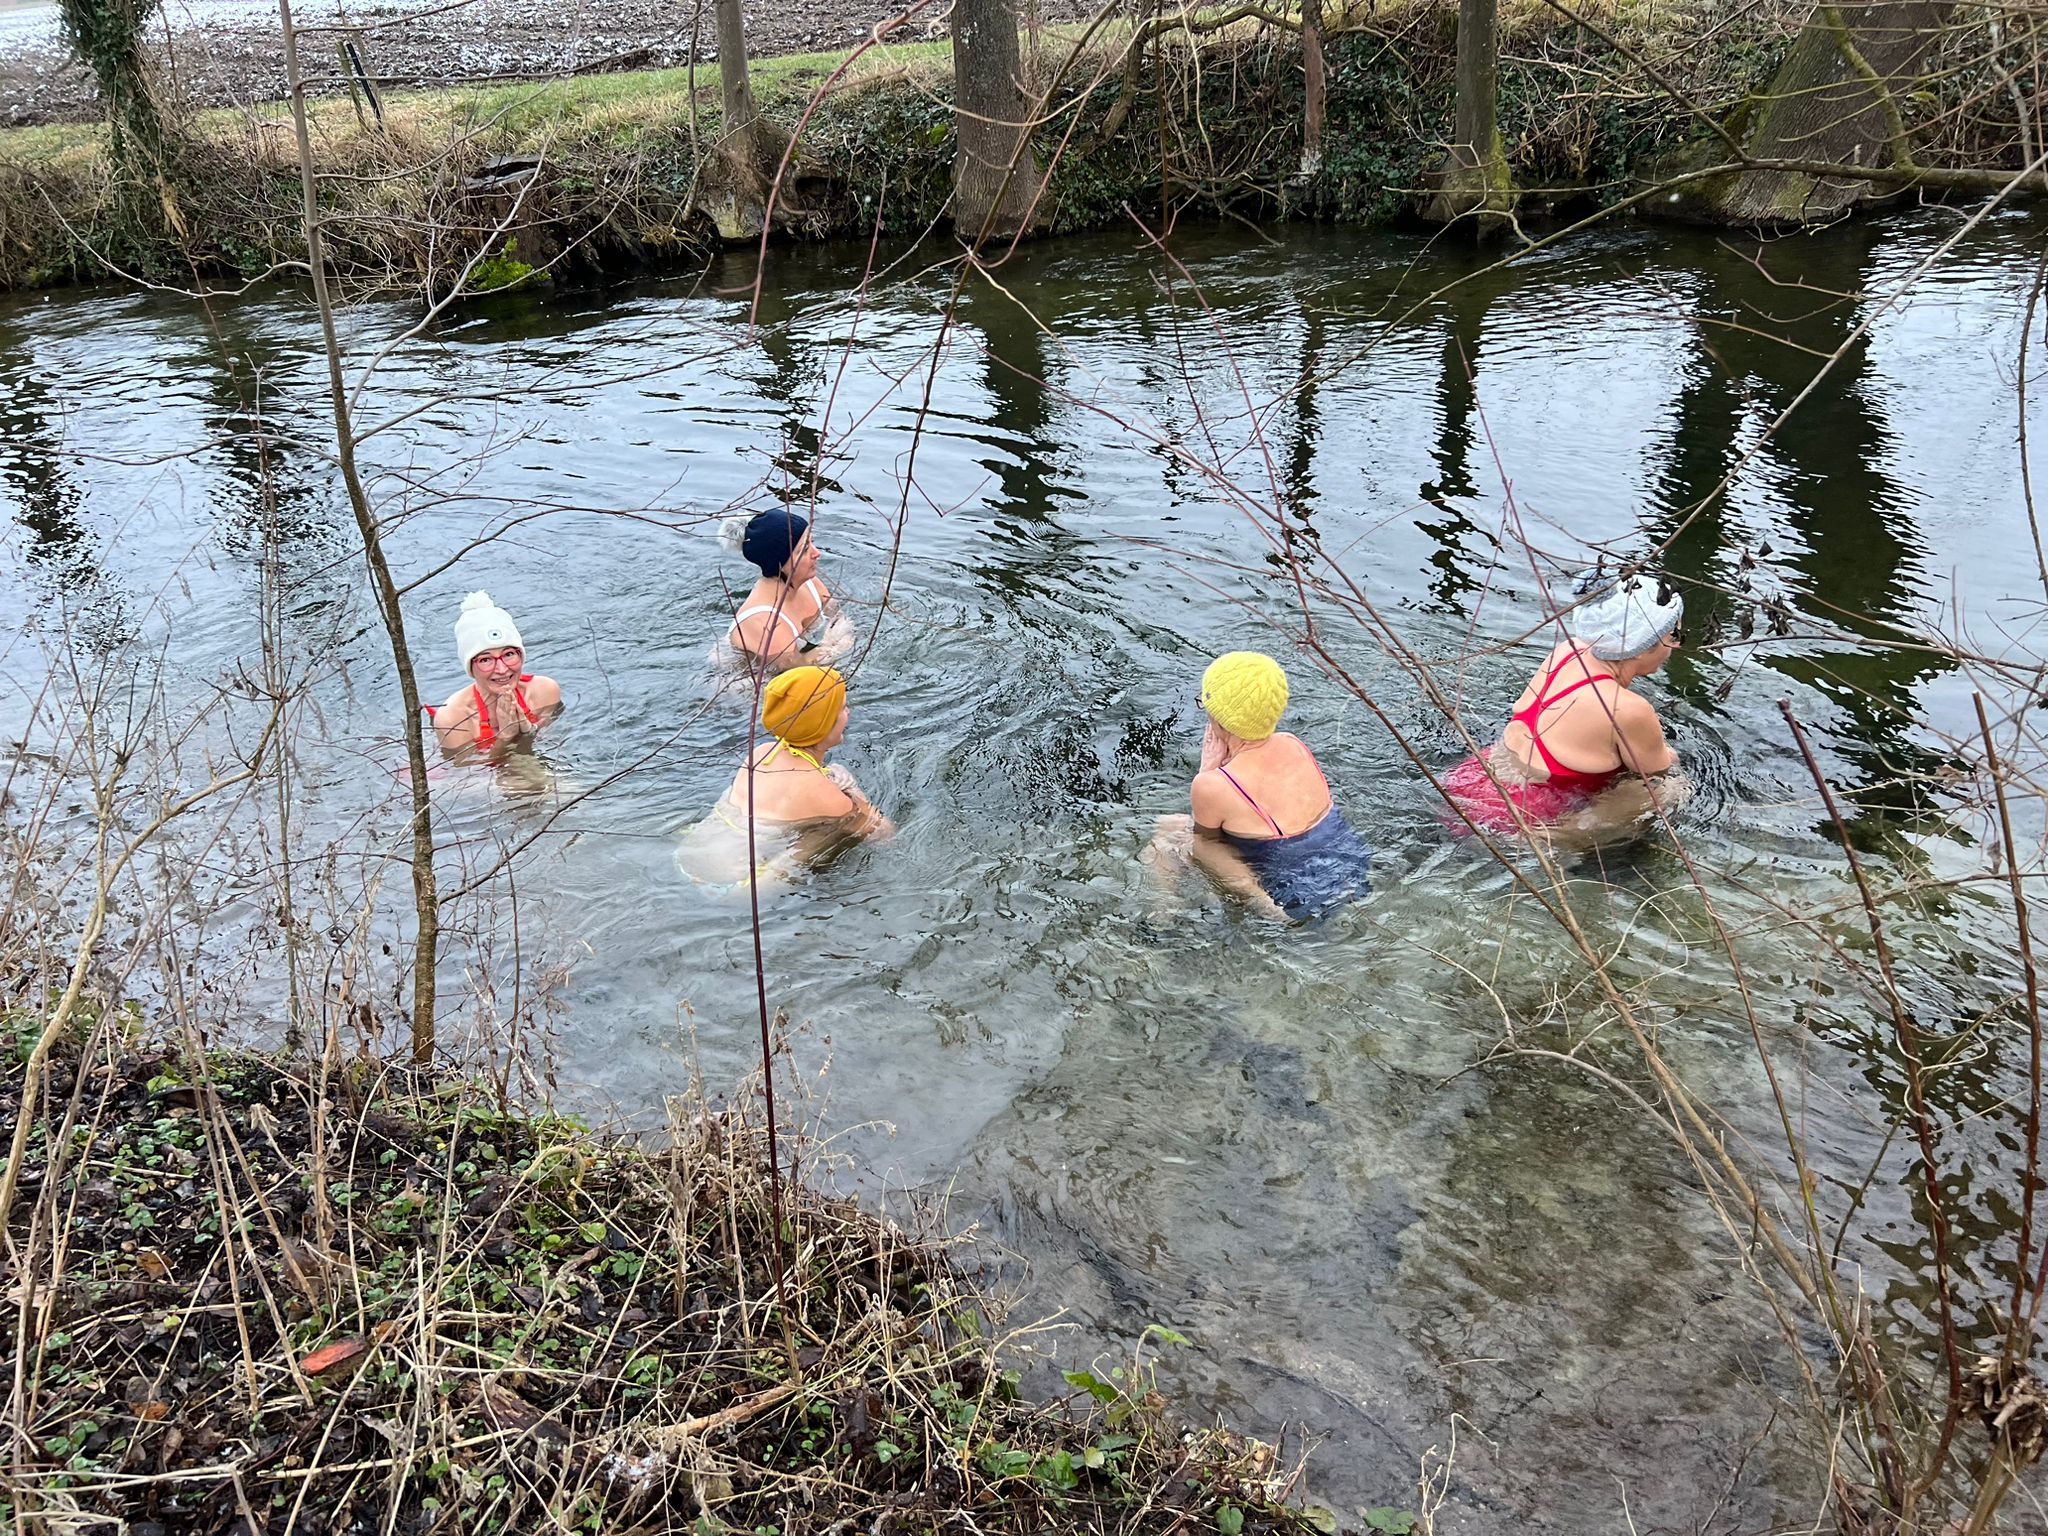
x,y
799,807
1264,824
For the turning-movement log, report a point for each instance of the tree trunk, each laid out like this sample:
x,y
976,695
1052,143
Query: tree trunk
x,y
425,895
1835,99
1474,182
995,175
737,200
1313,91
735,89
107,37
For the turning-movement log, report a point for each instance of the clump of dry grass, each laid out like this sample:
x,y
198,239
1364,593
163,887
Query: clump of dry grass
x,y
258,1295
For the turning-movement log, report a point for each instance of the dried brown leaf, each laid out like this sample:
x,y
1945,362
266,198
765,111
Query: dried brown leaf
x,y
331,1357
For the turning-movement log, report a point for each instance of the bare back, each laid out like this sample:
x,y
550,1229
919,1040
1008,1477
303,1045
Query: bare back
x,y
1587,721
1582,708
788,787
1278,776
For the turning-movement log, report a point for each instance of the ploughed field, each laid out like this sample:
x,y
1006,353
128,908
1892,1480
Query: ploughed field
x,y
225,53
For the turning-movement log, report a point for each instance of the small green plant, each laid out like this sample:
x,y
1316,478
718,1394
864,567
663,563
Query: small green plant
x,y
501,273
1389,1520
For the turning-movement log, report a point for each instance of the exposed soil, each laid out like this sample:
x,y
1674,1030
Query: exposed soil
x,y
224,60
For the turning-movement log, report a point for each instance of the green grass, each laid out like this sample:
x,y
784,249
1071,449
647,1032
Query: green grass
x,y
598,103
46,141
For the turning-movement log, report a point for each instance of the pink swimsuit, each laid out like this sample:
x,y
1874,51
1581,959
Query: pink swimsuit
x,y
1567,789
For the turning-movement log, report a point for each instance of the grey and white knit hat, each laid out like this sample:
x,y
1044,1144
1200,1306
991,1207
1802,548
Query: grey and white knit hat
x,y
1626,618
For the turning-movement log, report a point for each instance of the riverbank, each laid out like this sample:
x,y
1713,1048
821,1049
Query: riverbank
x,y
346,1297
620,171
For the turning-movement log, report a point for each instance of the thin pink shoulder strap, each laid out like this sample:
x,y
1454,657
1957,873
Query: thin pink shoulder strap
x,y
1250,801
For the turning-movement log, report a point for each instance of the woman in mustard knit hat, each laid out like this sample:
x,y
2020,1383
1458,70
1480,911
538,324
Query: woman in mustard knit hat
x,y
1264,823
800,808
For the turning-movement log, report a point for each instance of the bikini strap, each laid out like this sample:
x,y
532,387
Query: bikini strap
x,y
1529,718
1545,698
795,751
775,608
484,734
1249,800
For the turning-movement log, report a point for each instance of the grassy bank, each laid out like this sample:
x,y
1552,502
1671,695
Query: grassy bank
x,y
629,175
266,1294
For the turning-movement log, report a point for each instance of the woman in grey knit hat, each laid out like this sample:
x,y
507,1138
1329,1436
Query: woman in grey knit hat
x,y
1580,734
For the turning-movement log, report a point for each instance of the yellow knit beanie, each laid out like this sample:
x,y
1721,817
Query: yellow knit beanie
x,y
802,704
1245,692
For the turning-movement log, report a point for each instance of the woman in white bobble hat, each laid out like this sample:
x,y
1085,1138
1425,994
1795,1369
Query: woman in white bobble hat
x,y
501,703
1581,743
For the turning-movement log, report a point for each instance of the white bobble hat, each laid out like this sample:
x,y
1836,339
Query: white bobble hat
x,y
483,626
1626,619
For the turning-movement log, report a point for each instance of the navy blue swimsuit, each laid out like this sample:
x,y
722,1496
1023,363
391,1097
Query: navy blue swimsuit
x,y
1309,872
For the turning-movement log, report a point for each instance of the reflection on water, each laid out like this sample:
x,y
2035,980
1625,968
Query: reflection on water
x,y
1278,1142
37,470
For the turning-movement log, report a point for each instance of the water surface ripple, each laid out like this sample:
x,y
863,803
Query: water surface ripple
x,y
1275,1141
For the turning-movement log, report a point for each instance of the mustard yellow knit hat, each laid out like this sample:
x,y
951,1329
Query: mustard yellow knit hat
x,y
802,705
1245,692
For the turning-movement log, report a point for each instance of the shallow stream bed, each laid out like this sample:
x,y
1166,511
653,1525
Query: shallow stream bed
x,y
1278,1141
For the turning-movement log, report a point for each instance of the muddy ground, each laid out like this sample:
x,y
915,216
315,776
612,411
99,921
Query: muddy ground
x,y
224,53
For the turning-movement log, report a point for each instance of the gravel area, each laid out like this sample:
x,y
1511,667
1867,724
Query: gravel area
x,y
226,52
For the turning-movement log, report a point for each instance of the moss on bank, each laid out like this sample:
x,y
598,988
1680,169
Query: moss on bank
x,y
263,1294
617,171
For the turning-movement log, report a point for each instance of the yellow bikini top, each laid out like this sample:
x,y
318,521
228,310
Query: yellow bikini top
x,y
796,750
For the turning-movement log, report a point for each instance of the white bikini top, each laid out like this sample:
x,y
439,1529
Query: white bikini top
x,y
803,638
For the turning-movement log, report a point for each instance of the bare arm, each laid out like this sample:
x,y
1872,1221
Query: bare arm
x,y
544,697
1640,737
862,819
455,723
1218,859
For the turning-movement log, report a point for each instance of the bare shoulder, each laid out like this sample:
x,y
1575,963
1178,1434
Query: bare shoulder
x,y
1209,797
823,798
543,693
455,724
1630,706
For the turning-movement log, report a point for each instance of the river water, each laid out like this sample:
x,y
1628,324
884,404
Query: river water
x,y
1288,1144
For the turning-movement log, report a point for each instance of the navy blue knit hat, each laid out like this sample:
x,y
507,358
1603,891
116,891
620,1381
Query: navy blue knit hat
x,y
771,539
